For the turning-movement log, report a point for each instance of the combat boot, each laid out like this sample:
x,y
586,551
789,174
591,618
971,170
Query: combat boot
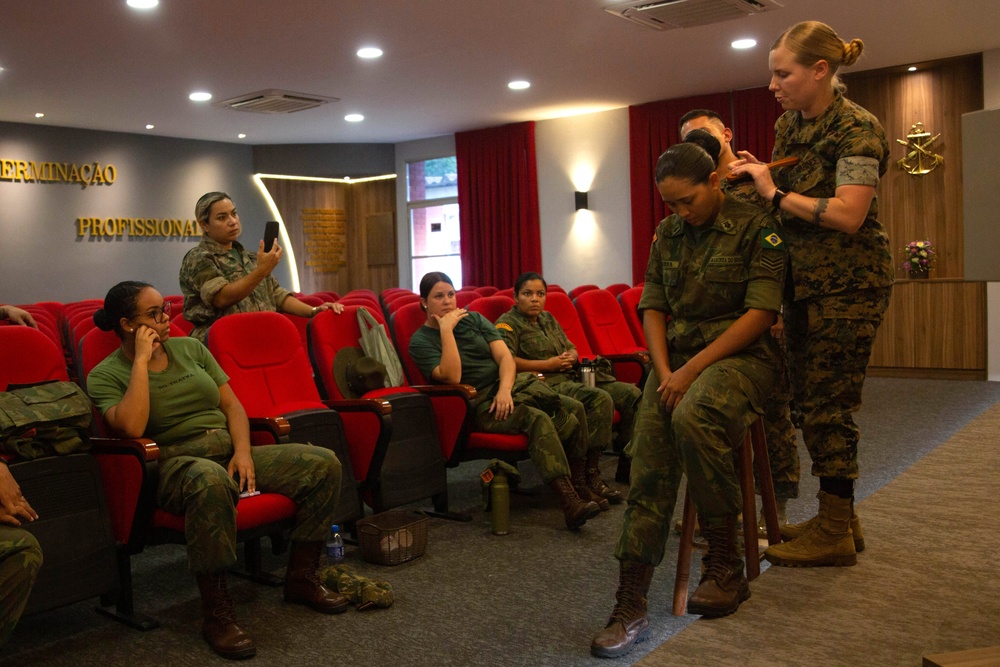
x,y
302,583
628,624
220,628
790,531
723,585
578,473
575,510
597,484
828,541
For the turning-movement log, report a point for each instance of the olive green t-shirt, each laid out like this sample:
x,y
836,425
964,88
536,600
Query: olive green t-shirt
x,y
473,335
183,399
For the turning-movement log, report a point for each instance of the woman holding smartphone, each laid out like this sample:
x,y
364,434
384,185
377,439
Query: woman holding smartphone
x,y
221,277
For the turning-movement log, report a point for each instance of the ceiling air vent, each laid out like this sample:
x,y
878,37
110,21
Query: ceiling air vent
x,y
276,101
671,14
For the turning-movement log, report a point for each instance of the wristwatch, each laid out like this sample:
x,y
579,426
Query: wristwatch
x,y
776,199
314,311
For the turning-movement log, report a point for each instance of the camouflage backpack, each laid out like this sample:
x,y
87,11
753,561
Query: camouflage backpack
x,y
44,419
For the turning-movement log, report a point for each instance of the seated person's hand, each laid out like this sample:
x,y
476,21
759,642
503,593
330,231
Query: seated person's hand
x,y
18,316
564,362
14,507
335,307
778,328
241,467
448,321
503,405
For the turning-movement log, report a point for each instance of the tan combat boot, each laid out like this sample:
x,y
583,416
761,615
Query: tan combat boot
x,y
790,531
828,541
723,585
597,485
575,510
220,628
628,624
578,473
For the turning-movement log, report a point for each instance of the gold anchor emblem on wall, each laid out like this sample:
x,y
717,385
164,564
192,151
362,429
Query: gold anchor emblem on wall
x,y
919,160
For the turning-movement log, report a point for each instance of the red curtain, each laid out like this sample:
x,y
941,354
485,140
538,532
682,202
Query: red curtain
x,y
754,112
498,204
654,127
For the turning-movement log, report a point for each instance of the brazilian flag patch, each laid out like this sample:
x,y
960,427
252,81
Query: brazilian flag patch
x,y
769,240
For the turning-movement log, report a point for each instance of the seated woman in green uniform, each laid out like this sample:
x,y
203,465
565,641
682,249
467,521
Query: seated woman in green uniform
x,y
540,345
716,269
172,391
455,346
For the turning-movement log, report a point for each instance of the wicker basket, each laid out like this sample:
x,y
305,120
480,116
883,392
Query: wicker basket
x,y
393,537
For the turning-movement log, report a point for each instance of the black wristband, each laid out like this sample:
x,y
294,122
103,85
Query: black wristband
x,y
776,199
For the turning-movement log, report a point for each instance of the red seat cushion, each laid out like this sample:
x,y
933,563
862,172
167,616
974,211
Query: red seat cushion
x,y
251,512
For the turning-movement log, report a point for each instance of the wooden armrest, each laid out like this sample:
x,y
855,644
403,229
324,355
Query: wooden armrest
x,y
638,357
277,426
465,390
144,448
379,406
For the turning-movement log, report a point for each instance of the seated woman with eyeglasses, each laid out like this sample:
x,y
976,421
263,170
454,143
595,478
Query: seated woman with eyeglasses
x,y
171,390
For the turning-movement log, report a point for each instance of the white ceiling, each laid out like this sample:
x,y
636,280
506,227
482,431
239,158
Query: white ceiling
x,y
99,64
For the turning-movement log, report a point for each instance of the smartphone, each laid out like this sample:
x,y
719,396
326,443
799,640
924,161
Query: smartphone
x,y
270,234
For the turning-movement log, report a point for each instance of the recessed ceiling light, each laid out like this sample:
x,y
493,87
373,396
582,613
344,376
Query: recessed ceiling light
x,y
199,96
911,68
241,136
142,4
150,126
518,85
370,52
354,118
39,115
744,43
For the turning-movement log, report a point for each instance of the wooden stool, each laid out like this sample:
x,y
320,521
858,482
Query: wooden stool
x,y
752,452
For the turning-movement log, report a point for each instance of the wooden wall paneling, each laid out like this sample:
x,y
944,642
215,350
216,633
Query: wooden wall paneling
x,y
292,197
934,324
372,198
937,325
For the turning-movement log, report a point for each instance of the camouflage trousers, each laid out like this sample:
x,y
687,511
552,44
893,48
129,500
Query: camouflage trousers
x,y
592,407
20,560
625,396
555,434
194,482
829,342
782,447
697,439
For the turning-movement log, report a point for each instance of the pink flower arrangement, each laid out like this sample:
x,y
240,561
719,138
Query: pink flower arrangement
x,y
918,257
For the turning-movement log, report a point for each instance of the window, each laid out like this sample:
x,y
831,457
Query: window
x,y
432,204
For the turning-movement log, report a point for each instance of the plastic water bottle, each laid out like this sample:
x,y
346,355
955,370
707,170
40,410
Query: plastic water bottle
x,y
334,546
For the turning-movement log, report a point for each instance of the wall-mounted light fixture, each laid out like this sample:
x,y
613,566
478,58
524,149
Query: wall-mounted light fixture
x,y
581,201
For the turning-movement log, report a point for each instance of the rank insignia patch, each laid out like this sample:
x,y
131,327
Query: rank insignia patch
x,y
504,325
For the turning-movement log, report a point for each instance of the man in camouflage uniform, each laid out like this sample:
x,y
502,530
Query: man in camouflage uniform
x,y
782,448
555,434
20,555
841,284
220,277
543,339
718,281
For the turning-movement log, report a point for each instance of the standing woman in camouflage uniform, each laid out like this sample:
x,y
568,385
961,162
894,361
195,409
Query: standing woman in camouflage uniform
x,y
456,346
841,271
173,391
713,288
540,345
221,277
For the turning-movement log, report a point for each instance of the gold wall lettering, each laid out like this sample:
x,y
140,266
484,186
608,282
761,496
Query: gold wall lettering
x,y
93,173
116,228
919,160
325,232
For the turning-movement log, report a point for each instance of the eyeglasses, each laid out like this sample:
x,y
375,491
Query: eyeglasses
x,y
158,313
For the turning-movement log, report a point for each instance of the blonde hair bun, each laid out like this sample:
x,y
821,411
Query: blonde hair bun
x,y
852,51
